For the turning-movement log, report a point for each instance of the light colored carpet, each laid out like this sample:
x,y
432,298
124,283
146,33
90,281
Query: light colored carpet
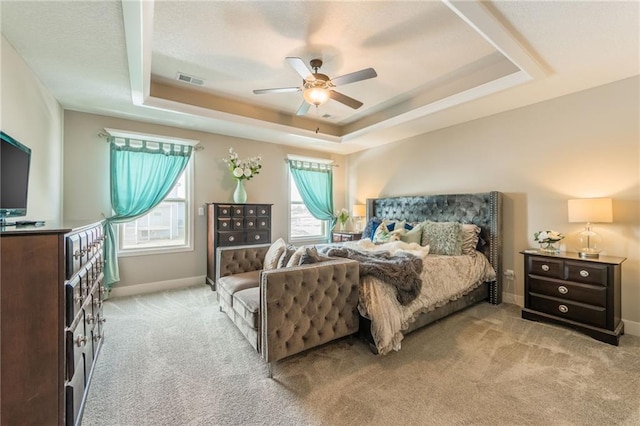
x,y
172,358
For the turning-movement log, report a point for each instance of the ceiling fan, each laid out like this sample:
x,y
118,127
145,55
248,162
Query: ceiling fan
x,y
317,88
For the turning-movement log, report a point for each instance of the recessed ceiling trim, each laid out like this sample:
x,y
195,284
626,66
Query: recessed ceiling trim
x,y
138,31
476,15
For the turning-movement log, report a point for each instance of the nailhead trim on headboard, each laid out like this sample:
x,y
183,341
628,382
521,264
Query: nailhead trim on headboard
x,y
482,209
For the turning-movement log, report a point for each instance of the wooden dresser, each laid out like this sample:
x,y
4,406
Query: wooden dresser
x,y
342,236
580,293
51,300
235,225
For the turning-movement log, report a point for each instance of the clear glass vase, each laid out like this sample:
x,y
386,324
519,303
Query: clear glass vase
x,y
550,247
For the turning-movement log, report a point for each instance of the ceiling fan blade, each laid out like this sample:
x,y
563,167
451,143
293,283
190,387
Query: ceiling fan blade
x,y
354,76
337,96
277,90
301,68
304,108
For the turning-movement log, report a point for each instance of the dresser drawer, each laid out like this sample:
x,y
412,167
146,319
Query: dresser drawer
x,y
263,223
546,267
583,293
585,314
73,254
74,392
264,211
74,298
250,211
230,238
223,210
224,224
586,273
256,237
237,223
76,341
237,211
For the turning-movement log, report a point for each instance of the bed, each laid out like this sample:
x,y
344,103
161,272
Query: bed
x,y
384,321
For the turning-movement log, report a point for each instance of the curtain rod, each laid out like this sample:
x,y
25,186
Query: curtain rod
x,y
286,160
103,134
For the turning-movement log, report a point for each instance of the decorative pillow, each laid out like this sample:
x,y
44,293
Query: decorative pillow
x,y
273,254
413,235
382,233
286,255
311,255
371,227
442,237
470,236
294,260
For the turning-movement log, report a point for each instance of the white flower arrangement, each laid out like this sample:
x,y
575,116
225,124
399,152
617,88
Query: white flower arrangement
x,y
243,169
547,237
342,216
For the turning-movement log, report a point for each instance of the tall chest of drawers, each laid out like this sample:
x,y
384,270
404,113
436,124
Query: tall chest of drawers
x,y
580,293
235,225
51,287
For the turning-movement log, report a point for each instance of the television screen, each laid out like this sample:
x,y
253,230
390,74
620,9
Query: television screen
x,y
15,159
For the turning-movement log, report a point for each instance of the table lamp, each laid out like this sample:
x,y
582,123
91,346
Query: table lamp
x,y
358,211
590,210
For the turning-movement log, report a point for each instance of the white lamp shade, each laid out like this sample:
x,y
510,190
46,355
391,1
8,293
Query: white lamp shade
x,y
593,210
316,95
358,210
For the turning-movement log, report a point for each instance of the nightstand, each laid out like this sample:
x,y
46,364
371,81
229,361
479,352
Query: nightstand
x,y
342,236
580,293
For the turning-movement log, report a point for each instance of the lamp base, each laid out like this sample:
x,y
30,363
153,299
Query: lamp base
x,y
588,254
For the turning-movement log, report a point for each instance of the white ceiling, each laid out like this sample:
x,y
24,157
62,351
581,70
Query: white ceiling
x,y
438,63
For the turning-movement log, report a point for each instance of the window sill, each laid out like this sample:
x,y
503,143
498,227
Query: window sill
x,y
154,251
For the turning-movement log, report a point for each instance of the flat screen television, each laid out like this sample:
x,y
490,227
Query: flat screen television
x,y
15,159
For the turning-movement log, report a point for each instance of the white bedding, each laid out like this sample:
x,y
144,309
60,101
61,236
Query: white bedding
x,y
444,278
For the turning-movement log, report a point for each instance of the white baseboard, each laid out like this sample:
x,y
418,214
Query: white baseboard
x,y
133,290
630,327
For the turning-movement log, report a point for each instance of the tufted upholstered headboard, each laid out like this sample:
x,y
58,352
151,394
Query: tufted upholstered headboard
x,y
482,209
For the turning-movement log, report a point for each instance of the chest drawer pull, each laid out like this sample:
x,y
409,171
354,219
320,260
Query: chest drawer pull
x,y
257,237
584,273
231,238
563,308
81,341
545,268
563,290
250,223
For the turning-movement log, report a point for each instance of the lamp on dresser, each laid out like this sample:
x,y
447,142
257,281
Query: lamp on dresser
x,y
590,210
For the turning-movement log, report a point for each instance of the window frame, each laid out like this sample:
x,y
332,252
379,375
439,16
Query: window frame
x,y
325,225
189,173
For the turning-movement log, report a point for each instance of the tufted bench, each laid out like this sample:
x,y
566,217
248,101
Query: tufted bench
x,y
288,310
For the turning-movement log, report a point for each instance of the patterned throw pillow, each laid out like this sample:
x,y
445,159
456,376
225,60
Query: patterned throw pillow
x,y
386,231
442,237
371,227
311,255
286,255
294,260
273,254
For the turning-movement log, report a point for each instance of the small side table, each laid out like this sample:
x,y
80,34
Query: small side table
x,y
342,236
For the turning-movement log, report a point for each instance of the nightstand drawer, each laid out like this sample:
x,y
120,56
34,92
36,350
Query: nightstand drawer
x,y
585,314
546,267
583,293
589,274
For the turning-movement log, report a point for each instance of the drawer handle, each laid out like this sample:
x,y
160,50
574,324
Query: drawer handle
x,y
77,254
584,273
545,268
224,225
238,211
263,223
231,238
238,223
250,223
78,298
257,237
224,211
81,341
90,319
563,308
563,290
251,211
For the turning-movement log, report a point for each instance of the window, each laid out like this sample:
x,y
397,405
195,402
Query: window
x,y
166,228
303,226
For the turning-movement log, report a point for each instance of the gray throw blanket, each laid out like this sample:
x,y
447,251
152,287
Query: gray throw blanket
x,y
401,270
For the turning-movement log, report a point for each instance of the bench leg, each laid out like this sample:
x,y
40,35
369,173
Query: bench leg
x,y
270,370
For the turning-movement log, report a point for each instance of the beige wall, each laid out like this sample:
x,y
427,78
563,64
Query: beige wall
x,y
31,115
86,178
582,145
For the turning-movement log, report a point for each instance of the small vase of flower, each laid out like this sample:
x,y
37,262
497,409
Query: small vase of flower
x,y
242,170
342,216
549,241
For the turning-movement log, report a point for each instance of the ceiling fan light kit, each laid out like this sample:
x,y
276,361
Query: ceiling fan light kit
x,y
317,88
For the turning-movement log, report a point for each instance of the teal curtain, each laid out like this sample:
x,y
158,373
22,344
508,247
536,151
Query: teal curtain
x,y
142,174
315,185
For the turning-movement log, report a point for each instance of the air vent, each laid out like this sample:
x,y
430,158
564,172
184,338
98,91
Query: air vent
x,y
327,116
189,79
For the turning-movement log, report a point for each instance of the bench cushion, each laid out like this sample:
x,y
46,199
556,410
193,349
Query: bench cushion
x,y
231,284
246,304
